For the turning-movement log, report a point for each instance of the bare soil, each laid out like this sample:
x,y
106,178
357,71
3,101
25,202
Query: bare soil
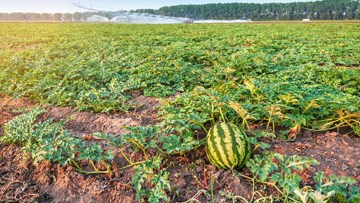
x,y
87,122
190,175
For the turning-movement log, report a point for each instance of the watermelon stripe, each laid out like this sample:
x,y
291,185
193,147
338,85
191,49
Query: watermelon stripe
x,y
212,160
212,148
241,147
223,136
219,147
235,146
245,147
228,144
209,156
248,151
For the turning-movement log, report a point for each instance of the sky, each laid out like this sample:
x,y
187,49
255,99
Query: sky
x,y
52,6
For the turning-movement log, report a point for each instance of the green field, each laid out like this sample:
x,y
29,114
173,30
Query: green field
x,y
308,71
280,77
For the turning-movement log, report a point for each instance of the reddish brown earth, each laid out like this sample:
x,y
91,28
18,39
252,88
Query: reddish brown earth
x,y
190,175
337,153
87,122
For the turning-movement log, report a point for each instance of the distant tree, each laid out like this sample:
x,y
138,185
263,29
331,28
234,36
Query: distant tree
x,y
57,17
317,10
45,17
68,17
150,11
4,16
357,12
17,16
85,15
34,16
77,16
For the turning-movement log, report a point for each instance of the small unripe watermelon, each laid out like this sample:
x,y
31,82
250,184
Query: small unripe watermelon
x,y
227,146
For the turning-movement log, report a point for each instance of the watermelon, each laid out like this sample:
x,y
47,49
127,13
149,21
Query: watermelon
x,y
227,146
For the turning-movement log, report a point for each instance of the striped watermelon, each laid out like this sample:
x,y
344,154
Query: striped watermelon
x,y
227,146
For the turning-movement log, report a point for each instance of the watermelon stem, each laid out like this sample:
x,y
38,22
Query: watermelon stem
x,y
222,115
79,169
124,155
212,114
201,125
218,105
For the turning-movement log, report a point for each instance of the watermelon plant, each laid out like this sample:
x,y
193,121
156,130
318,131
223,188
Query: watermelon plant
x,y
49,141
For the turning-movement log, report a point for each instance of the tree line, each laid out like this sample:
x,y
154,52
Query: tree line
x,y
317,10
78,16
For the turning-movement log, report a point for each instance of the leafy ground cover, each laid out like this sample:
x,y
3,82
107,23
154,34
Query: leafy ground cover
x,y
125,108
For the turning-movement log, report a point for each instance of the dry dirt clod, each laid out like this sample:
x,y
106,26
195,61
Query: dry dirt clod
x,y
211,168
344,143
198,169
331,134
69,168
307,133
344,167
